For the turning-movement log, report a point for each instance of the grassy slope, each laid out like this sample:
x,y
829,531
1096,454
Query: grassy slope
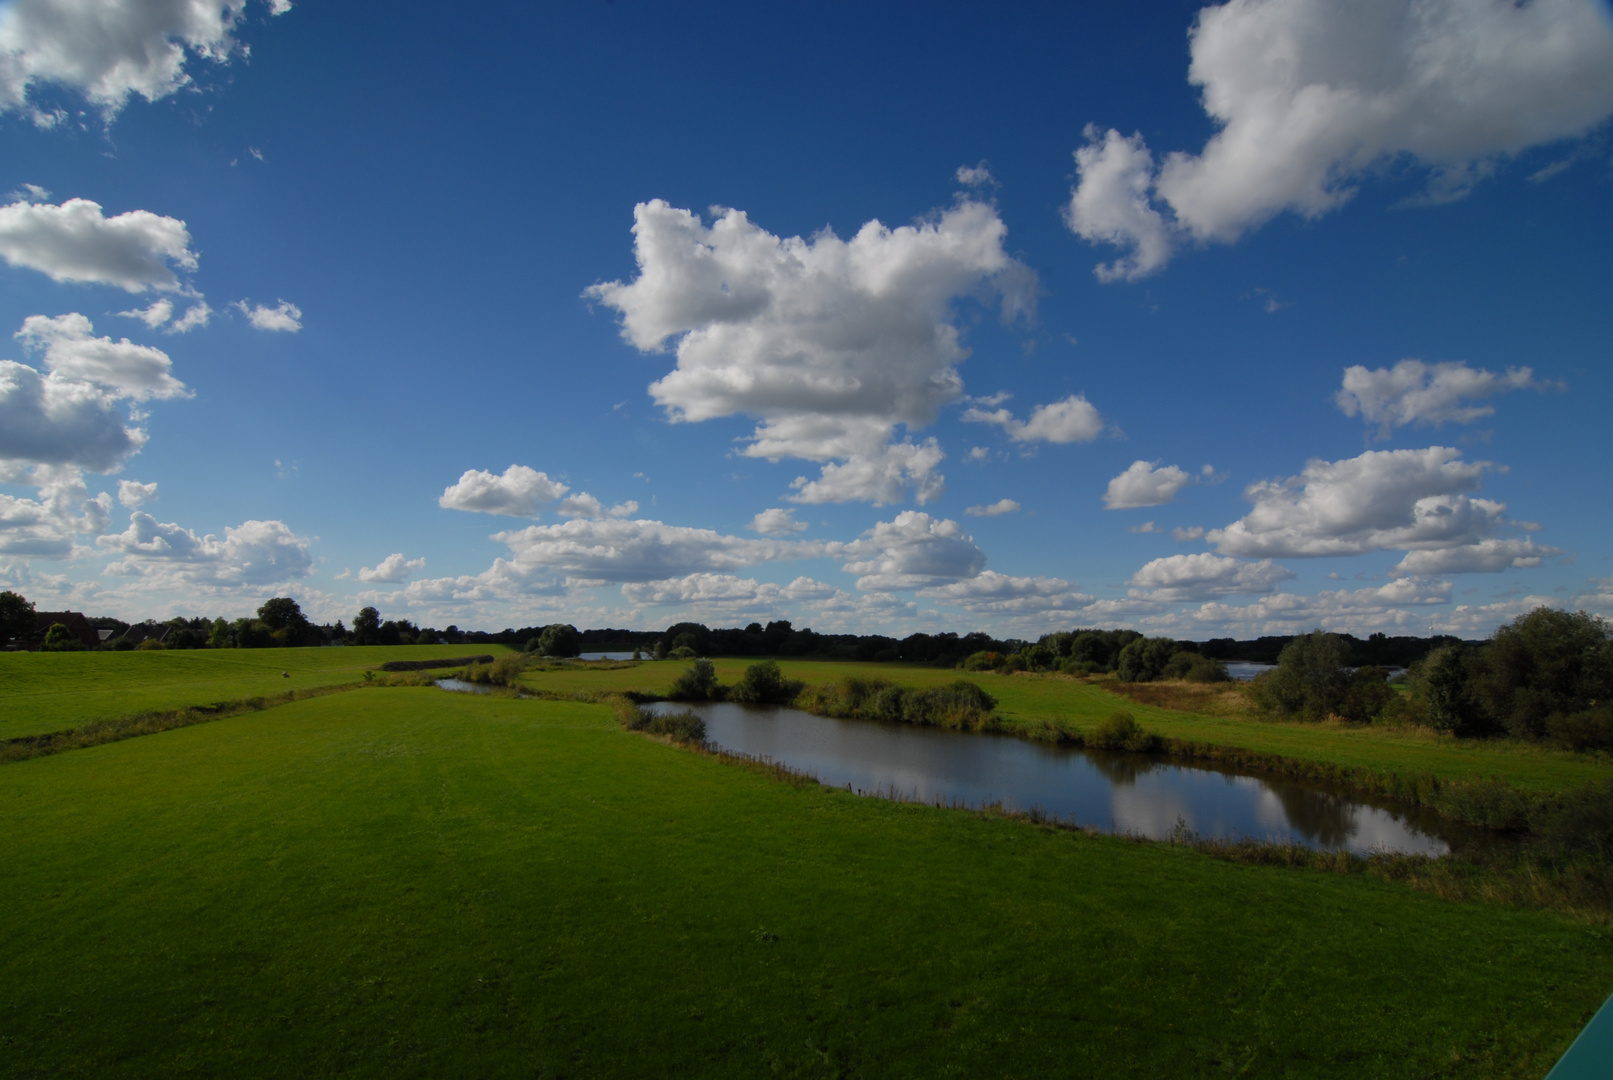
x,y
53,691
409,883
1023,699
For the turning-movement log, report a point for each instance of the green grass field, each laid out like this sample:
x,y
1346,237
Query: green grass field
x,y
43,691
1024,699
402,882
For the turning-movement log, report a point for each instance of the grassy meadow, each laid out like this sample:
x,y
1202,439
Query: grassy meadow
x,y
50,691
400,882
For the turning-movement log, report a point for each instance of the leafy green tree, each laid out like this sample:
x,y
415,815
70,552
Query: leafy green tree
x,y
1144,659
282,612
764,684
1310,678
367,627
60,639
1444,683
699,683
560,639
1543,664
219,636
17,617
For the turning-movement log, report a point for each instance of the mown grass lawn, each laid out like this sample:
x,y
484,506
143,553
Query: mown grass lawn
x,y
41,691
402,882
1025,699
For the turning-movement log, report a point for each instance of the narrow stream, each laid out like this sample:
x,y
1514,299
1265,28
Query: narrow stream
x,y
1129,794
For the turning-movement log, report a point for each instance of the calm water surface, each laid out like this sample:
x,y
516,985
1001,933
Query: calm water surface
x,y
1120,793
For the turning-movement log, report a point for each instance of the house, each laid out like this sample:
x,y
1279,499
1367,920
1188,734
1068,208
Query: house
x,y
147,632
76,624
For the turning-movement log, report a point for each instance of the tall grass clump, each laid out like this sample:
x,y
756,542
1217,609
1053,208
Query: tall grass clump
x,y
681,727
1122,732
959,705
504,671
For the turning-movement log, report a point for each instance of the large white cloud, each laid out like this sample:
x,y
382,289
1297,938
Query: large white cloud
x,y
991,593
517,492
46,526
1484,557
75,242
1413,392
911,552
830,343
1404,605
1178,578
1070,419
1145,483
254,553
1310,95
1405,500
109,50
776,522
636,550
138,372
394,569
55,420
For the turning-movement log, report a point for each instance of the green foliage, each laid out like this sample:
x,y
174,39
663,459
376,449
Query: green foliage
x,y
764,684
367,627
17,617
682,652
60,639
1445,685
150,644
560,640
1310,680
683,726
1193,667
983,661
1145,659
1366,693
959,705
219,637
1589,729
699,683
1122,732
1544,664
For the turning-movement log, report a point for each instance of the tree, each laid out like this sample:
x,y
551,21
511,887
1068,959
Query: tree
x,y
219,636
1144,659
561,640
282,612
60,639
764,684
1444,683
1543,664
1310,679
17,617
367,627
699,683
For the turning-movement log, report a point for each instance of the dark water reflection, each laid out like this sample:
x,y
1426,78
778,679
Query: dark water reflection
x,y
1122,793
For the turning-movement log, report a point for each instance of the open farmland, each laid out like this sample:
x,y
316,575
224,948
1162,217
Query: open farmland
x,y
402,882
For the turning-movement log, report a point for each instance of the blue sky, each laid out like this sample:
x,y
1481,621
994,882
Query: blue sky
x,y
1210,321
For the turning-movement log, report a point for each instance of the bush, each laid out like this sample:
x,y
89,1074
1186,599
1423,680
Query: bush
x,y
1192,667
699,683
1590,729
983,661
150,644
560,640
1545,663
682,652
683,727
1122,732
1144,660
960,705
1366,694
765,684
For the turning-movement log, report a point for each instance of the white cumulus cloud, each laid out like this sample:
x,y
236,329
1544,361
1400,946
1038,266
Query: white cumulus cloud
x,y
46,526
285,317
71,350
777,522
254,553
830,344
634,550
110,50
991,593
54,420
1309,96
911,552
133,494
1485,557
393,569
1177,578
75,242
1145,483
1382,500
1071,419
517,492
1413,392
1001,506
